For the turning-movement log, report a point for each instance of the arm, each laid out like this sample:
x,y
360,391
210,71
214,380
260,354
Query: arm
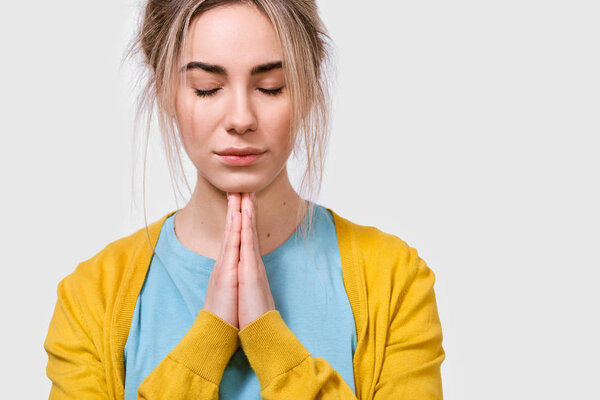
x,y
283,366
74,364
194,368
411,361
413,351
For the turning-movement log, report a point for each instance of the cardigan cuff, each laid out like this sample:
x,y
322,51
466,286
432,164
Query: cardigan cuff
x,y
207,347
271,347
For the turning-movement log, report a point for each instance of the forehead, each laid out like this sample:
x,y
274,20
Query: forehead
x,y
234,35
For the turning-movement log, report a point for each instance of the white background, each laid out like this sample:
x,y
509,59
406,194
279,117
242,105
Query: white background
x,y
468,128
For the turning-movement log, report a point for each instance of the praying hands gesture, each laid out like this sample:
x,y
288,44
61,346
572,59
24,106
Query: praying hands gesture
x,y
238,289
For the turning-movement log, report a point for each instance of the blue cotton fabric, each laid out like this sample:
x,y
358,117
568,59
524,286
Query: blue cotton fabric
x,y
306,284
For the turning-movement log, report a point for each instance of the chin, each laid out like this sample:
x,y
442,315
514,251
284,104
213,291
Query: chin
x,y
244,181
241,184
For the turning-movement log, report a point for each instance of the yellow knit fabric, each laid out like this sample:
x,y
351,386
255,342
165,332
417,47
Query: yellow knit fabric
x,y
390,288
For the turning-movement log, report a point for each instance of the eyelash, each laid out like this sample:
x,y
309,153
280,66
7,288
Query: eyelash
x,y
208,93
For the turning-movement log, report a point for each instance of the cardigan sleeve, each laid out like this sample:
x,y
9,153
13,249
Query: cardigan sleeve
x,y
410,368
413,350
74,365
284,367
194,368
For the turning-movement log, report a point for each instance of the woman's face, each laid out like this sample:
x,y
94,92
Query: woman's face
x,y
235,97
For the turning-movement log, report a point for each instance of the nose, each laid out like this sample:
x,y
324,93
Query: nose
x,y
240,116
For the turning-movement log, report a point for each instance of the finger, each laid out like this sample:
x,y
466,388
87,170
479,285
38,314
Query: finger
x,y
228,218
247,242
231,241
254,220
231,254
255,240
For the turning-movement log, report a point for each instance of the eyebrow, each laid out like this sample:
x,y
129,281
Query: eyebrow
x,y
219,70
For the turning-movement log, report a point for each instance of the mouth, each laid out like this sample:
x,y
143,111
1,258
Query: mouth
x,y
241,156
240,151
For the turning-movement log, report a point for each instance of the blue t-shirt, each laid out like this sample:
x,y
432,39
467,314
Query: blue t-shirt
x,y
307,287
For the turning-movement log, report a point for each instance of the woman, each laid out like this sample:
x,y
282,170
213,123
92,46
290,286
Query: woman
x,y
220,299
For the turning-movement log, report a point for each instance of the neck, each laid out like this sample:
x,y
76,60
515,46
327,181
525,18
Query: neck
x,y
200,225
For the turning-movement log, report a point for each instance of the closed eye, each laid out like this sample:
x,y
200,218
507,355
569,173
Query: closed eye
x,y
272,91
207,93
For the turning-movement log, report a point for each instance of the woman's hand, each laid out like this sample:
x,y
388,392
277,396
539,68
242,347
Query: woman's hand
x,y
222,290
254,293
238,288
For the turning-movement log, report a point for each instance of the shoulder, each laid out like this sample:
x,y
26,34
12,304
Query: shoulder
x,y
379,255
95,282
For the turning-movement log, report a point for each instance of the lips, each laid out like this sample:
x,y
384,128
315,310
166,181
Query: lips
x,y
240,157
240,151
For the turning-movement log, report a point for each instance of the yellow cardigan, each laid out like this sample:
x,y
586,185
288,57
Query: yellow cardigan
x,y
390,288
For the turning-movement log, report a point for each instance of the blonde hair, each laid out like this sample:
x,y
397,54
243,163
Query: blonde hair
x,y
307,53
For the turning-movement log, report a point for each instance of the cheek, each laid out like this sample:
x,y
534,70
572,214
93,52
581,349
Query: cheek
x,y
194,126
194,121
277,121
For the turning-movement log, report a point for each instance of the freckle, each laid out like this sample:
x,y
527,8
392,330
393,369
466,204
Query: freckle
x,y
284,203
268,234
